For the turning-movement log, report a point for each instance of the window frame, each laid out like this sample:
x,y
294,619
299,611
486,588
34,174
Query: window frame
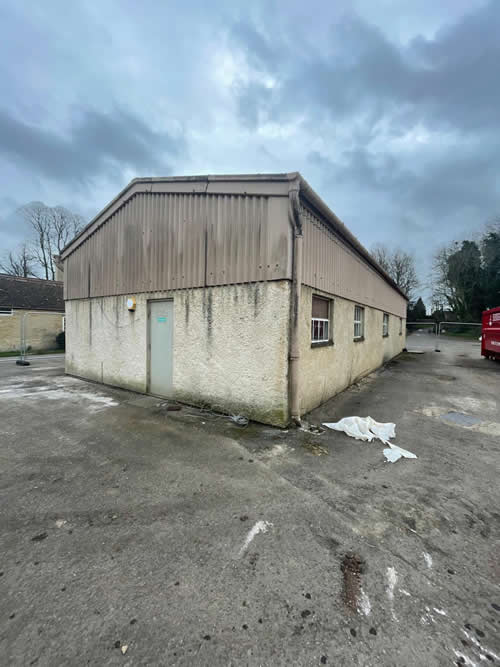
x,y
326,323
5,314
359,310
385,325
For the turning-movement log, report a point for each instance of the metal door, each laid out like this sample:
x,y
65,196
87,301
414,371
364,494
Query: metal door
x,y
161,339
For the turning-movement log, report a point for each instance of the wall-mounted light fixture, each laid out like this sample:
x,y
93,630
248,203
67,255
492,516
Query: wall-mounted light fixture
x,y
131,303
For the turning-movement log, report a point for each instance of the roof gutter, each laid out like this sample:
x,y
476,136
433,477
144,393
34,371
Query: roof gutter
x,y
295,300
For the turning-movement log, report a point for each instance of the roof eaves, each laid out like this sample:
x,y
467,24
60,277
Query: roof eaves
x,y
313,198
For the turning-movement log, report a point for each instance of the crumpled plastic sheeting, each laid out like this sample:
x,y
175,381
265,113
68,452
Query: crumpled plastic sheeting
x,y
393,453
366,428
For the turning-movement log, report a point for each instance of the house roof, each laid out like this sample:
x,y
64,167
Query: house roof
x,y
262,184
31,293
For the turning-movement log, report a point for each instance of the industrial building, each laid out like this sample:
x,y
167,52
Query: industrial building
x,y
244,293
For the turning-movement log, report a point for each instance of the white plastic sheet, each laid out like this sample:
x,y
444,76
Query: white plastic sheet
x,y
393,453
366,428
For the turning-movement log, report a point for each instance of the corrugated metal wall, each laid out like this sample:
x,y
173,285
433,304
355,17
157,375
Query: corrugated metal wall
x,y
329,265
170,241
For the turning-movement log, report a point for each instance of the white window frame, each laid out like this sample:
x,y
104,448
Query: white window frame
x,y
359,322
385,325
9,314
324,324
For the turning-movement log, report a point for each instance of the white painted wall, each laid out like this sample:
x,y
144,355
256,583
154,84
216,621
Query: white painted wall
x,y
325,371
230,346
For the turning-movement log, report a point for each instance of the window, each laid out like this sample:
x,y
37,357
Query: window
x,y
5,311
400,326
385,325
320,320
359,322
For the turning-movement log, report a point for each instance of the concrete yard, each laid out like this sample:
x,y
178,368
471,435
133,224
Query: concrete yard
x,y
133,535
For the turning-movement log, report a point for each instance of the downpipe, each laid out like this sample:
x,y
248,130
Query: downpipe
x,y
295,303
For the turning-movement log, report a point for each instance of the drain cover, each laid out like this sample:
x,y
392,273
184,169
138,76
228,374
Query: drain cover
x,y
460,418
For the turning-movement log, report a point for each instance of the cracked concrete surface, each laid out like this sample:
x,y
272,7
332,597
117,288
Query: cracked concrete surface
x,y
120,522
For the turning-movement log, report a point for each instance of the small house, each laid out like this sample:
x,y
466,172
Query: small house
x,y
31,307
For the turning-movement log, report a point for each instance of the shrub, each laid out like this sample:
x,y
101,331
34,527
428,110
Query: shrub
x,y
61,340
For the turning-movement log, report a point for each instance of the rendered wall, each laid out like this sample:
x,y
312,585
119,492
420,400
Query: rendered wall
x,y
325,371
41,330
230,346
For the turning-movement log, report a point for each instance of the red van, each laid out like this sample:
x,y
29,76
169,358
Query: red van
x,y
490,333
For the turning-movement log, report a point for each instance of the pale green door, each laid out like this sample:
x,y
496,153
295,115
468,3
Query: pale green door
x,y
161,343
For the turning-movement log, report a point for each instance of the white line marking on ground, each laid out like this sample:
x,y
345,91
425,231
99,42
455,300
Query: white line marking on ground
x,y
260,527
364,605
477,643
392,579
465,659
441,612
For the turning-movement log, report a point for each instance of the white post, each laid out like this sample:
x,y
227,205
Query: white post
x,y
438,333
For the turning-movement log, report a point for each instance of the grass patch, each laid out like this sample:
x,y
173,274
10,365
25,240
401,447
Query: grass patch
x,y
16,353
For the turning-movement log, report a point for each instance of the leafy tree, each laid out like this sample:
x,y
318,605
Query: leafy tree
x,y
490,250
417,310
400,265
459,280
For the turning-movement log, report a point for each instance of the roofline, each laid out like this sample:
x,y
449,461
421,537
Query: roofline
x,y
305,189
152,181
32,278
315,200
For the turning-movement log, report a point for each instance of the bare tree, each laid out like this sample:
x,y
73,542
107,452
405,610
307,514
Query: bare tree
x,y
53,228
19,262
400,265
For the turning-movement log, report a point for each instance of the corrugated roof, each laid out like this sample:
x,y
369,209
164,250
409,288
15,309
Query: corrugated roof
x,y
31,293
262,184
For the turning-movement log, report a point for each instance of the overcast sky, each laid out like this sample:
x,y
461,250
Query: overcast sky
x,y
390,109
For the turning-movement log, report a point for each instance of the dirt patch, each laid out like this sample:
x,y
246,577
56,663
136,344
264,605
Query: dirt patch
x,y
353,566
314,448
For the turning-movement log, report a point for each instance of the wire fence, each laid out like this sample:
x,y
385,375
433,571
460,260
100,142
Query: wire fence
x,y
28,329
467,331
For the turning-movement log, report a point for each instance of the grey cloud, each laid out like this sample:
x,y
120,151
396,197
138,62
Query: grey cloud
x,y
98,144
375,90
397,130
448,81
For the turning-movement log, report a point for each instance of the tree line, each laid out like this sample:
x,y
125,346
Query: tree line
x,y
465,277
50,229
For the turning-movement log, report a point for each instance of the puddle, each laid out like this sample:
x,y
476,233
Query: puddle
x,y
460,418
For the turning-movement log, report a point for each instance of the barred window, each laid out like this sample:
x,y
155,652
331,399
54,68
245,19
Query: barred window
x,y
359,322
385,325
320,320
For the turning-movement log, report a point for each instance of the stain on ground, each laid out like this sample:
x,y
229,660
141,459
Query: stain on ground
x,y
353,566
315,449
